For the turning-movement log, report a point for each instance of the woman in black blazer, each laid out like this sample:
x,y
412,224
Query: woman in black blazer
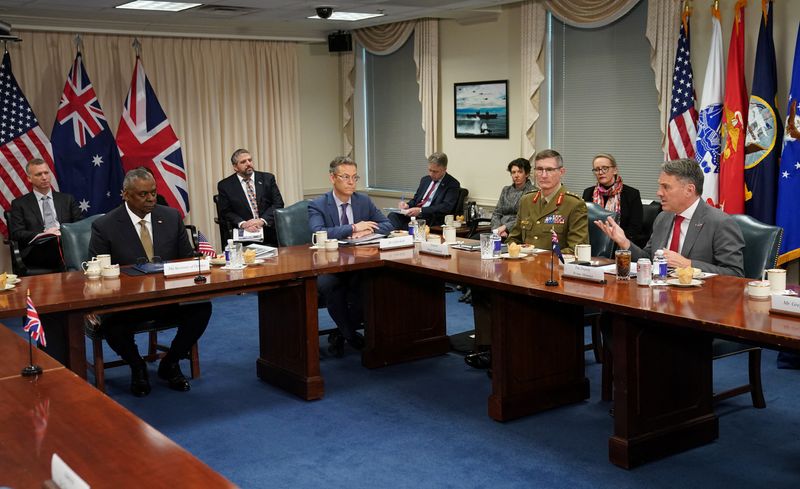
x,y
611,194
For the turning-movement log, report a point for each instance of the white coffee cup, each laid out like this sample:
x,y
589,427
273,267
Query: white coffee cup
x,y
583,252
105,260
449,233
331,244
777,279
758,289
319,238
448,220
110,271
91,267
434,238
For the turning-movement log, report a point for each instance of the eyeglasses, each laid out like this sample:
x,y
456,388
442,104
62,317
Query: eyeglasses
x,y
542,170
348,178
601,169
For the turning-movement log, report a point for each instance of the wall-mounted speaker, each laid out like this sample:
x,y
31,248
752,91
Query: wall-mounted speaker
x,y
339,41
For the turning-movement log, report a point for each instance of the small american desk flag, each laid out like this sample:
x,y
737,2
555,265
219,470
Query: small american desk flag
x,y
203,246
32,323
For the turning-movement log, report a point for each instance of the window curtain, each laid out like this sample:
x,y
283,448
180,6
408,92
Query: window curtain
x,y
386,39
663,17
219,95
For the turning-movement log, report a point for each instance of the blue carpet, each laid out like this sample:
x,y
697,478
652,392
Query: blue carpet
x,y
424,424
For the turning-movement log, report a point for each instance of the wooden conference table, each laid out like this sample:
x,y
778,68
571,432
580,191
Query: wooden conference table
x,y
58,412
662,336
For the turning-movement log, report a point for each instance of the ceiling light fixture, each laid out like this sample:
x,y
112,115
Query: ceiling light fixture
x,y
159,6
348,16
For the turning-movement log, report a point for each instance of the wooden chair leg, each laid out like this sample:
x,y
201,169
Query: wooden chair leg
x,y
99,365
152,345
194,359
756,391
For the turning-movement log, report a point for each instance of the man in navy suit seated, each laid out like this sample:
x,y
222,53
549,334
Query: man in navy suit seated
x,y
344,213
137,231
436,196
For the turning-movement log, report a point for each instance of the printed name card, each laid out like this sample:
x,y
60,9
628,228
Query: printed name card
x,y
787,304
63,476
583,272
172,269
397,242
434,249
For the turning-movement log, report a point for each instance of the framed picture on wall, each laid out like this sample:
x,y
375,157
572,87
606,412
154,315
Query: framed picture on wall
x,y
481,109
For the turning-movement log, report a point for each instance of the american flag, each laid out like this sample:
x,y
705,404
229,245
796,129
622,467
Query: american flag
x,y
21,140
84,150
556,246
203,246
32,323
682,130
145,138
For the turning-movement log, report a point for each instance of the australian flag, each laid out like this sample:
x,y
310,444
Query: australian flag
x,y
145,138
556,246
85,154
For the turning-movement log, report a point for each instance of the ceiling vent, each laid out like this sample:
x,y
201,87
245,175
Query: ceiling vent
x,y
225,10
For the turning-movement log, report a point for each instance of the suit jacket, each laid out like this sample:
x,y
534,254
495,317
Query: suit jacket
x,y
323,215
233,203
630,209
713,241
26,221
115,234
443,202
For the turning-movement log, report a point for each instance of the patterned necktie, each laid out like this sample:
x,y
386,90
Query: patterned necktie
x,y
147,240
674,244
48,215
344,220
251,196
428,195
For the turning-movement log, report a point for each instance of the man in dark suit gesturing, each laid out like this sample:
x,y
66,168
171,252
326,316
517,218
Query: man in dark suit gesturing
x,y
136,231
248,198
41,211
436,196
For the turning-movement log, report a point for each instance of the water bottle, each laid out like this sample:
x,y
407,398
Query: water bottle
x,y
412,224
496,243
660,265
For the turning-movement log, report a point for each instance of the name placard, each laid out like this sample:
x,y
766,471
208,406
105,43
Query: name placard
x,y
63,475
434,249
172,269
583,272
786,304
396,242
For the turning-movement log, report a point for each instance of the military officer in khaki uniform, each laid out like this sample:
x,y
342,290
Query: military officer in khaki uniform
x,y
550,208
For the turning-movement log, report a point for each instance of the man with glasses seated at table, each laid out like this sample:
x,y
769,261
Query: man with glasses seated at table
x,y
140,230
436,196
345,213
551,208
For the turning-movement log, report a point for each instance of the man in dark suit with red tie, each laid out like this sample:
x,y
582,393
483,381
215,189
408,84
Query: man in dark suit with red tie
x,y
248,198
436,196
137,231
42,210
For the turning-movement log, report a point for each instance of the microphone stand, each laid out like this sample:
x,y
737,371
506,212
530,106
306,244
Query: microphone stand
x,y
552,282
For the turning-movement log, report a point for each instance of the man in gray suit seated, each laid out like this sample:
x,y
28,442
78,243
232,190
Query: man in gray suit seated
x,y
691,232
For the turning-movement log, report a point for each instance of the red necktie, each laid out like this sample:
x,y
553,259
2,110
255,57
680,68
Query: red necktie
x,y
428,195
676,234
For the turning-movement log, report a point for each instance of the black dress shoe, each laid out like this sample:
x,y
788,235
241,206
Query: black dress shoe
x,y
357,341
140,384
480,360
171,372
336,344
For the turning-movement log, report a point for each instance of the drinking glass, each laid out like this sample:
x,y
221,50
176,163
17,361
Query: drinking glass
x,y
487,246
623,259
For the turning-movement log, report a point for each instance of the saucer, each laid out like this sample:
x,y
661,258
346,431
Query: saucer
x,y
92,277
15,281
217,261
257,261
509,257
9,286
676,283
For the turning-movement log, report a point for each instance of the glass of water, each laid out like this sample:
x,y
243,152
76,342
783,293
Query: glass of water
x,y
487,246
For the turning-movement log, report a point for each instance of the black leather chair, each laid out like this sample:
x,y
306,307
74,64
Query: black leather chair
x,y
75,243
17,265
649,213
761,245
462,199
601,244
225,227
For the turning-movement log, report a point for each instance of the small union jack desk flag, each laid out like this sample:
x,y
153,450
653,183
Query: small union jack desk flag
x,y
32,323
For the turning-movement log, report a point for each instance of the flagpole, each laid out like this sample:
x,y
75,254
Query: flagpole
x,y
31,369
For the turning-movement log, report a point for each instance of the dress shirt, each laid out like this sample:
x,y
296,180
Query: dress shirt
x,y
687,217
430,197
135,220
339,209
247,195
39,197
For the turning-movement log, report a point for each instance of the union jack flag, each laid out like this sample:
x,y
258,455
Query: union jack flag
x,y
84,150
203,246
145,138
21,140
32,323
682,131
556,246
